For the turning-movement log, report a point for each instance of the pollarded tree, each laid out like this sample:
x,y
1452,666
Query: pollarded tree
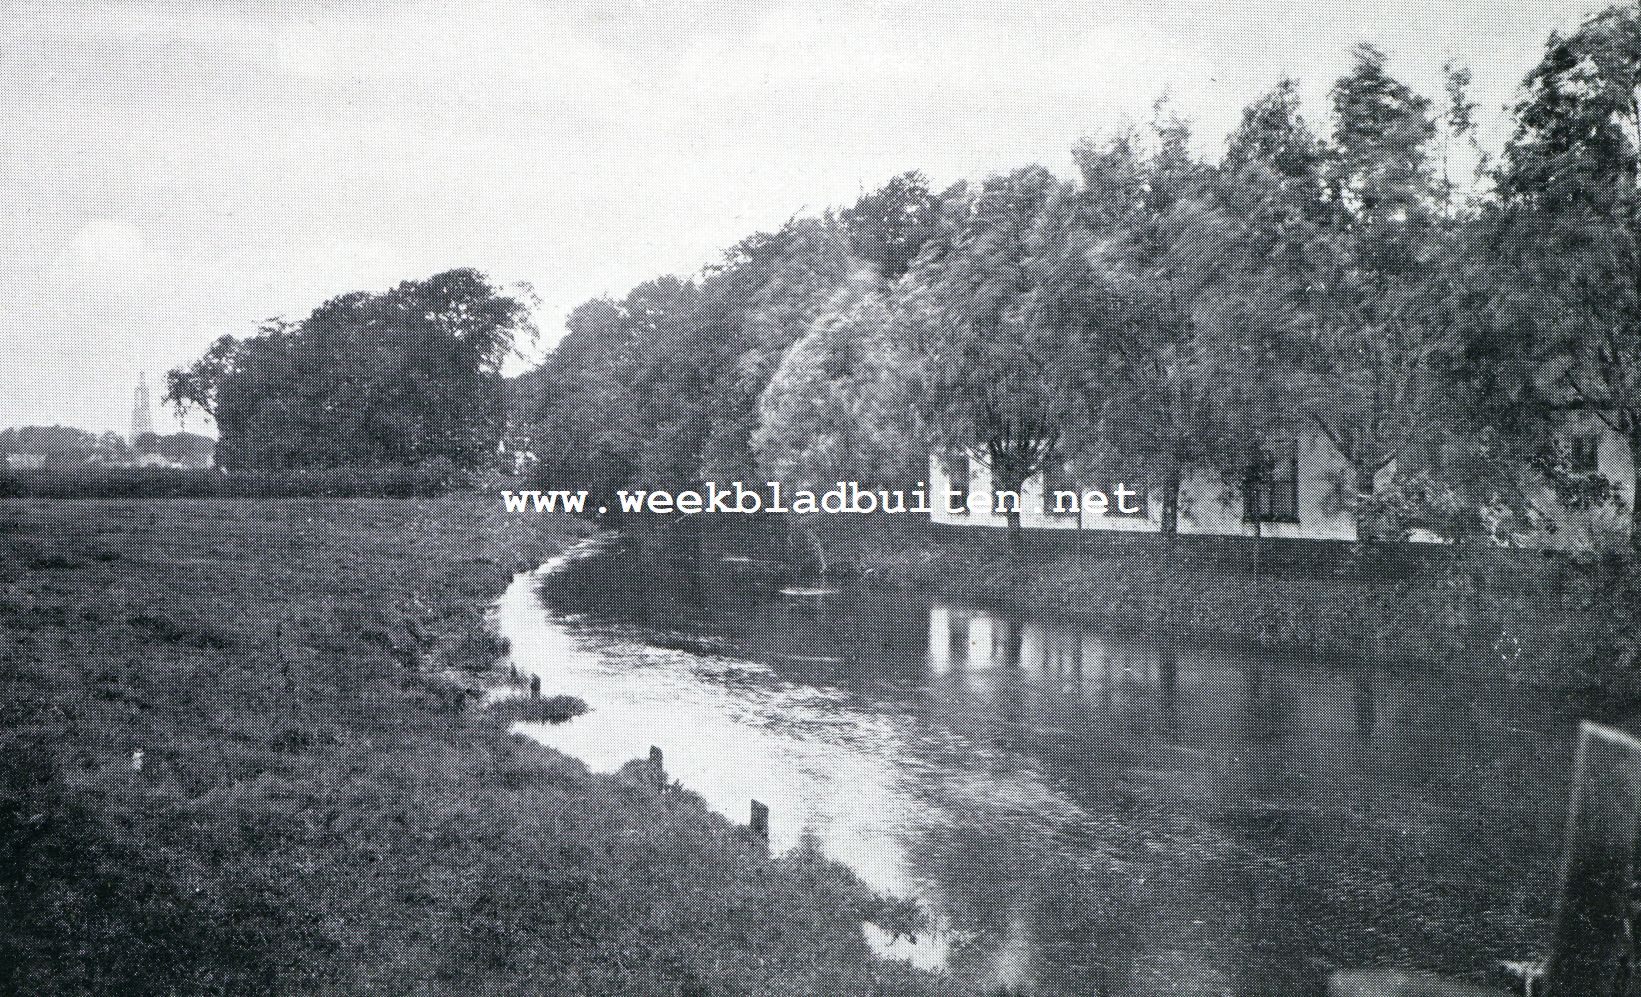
x,y
1149,400
1005,361
1551,307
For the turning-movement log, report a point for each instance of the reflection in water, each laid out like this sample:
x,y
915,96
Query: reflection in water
x,y
1079,809
1362,698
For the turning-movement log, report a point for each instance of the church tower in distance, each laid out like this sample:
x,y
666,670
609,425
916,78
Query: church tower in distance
x,y
142,417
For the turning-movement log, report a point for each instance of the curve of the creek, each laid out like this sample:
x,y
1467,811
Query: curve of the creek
x,y
1078,809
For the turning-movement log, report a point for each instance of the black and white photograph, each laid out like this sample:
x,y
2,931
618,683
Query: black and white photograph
x,y
817,498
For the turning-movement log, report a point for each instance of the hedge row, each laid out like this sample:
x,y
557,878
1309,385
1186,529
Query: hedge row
x,y
423,481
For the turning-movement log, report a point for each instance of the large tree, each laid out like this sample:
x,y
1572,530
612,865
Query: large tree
x,y
694,357
589,427
1364,356
1317,310
1149,399
1005,361
840,405
810,264
1251,249
1551,307
403,377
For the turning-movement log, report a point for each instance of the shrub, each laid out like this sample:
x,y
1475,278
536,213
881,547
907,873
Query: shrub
x,y
552,710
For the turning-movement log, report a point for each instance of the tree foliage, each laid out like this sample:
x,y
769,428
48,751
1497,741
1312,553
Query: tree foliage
x,y
1150,394
841,405
888,227
1005,360
1549,306
64,446
404,377
1165,313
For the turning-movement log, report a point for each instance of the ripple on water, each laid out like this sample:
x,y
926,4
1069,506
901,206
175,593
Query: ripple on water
x,y
1071,808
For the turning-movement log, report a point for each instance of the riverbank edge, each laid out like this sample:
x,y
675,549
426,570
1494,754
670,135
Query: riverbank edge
x,y
533,543
1549,622
496,865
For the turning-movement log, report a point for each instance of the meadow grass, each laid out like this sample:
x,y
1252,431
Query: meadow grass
x,y
319,805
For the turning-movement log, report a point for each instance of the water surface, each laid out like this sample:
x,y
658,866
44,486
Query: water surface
x,y
1080,809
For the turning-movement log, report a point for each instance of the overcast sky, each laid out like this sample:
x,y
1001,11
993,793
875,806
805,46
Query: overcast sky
x,y
177,171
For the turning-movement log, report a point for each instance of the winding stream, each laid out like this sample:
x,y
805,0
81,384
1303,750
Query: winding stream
x,y
1079,809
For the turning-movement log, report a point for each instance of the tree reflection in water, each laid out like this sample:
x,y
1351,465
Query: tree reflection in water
x,y
1084,809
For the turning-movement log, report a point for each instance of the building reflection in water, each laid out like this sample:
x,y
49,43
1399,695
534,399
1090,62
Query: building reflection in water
x,y
1081,807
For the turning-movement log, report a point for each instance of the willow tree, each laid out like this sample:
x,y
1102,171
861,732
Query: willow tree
x,y
1252,247
1366,344
1004,361
1149,398
839,407
773,296
1551,309
840,404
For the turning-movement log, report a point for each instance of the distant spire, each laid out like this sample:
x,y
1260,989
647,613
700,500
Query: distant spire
x,y
142,418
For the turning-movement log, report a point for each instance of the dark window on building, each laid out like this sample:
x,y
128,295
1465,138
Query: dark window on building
x,y
957,478
1271,492
1057,479
1583,453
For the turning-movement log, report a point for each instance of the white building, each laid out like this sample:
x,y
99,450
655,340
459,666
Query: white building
x,y
1303,499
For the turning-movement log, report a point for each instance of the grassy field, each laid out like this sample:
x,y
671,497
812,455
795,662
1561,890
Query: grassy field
x,y
321,805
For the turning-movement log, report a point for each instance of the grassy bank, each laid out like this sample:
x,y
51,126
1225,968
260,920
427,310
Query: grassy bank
x,y
1555,621
320,805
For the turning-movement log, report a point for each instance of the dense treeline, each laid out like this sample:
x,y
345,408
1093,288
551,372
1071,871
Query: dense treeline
x,y
1161,313
64,445
408,377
